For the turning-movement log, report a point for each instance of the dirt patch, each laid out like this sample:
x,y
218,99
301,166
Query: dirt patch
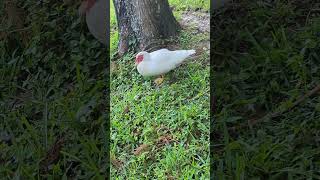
x,y
199,22
198,19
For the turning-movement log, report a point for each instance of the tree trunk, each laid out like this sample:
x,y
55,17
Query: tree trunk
x,y
144,23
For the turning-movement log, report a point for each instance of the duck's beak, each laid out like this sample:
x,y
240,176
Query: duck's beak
x,y
138,59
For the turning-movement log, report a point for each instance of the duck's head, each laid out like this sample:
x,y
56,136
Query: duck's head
x,y
142,56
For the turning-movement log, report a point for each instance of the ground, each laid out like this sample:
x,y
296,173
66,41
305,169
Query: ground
x,y
53,106
266,57
162,132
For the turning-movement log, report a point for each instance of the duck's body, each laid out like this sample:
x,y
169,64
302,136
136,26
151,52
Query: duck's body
x,y
96,18
161,61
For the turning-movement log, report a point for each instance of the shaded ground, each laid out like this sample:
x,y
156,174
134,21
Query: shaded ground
x,y
52,101
266,57
198,22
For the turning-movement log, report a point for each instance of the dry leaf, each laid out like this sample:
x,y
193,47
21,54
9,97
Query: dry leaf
x,y
113,66
126,110
52,155
162,140
142,148
116,163
136,132
170,177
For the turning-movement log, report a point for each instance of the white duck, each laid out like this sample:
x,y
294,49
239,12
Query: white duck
x,y
160,62
96,18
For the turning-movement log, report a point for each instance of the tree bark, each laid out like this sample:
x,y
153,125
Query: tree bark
x,y
144,24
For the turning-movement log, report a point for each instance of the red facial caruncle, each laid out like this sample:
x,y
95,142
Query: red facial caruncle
x,y
139,59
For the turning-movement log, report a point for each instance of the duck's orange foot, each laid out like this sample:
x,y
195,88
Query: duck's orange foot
x,y
159,80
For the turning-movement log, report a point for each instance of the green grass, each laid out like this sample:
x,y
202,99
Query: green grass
x,y
179,5
114,29
177,111
265,57
52,88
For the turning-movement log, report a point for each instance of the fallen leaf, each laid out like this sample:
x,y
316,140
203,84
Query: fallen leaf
x,y
52,155
113,66
116,163
126,110
142,148
166,139
169,177
136,132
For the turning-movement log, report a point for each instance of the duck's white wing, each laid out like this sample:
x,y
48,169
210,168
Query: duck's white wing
x,y
160,54
179,56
